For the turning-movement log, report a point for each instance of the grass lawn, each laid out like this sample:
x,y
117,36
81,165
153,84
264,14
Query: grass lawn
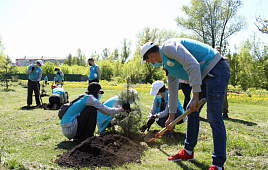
x,y
32,139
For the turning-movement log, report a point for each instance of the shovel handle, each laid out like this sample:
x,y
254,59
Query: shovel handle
x,y
186,113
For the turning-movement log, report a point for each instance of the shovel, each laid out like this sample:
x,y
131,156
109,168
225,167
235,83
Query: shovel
x,y
160,133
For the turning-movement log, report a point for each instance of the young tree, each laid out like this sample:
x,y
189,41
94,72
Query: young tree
x,y
5,69
213,20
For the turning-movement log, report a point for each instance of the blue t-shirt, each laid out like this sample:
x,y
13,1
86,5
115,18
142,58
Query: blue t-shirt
x,y
58,90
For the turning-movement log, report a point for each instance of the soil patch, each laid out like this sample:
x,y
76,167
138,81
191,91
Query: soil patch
x,y
150,134
102,151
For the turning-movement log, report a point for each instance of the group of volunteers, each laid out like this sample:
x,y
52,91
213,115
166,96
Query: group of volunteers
x,y
34,78
189,65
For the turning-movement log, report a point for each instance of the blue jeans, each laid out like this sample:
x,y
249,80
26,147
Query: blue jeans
x,y
161,121
213,89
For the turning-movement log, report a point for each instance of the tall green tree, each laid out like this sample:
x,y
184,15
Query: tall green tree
x,y
69,60
105,54
95,56
115,54
249,65
125,50
81,58
213,20
262,24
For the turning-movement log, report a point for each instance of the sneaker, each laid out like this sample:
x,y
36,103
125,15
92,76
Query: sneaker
x,y
182,155
214,168
225,116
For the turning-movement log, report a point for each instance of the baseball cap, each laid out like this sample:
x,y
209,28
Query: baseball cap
x,y
94,87
156,86
40,62
147,46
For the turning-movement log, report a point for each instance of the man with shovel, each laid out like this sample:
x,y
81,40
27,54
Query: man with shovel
x,y
35,75
208,75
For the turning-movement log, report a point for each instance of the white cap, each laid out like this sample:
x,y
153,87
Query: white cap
x,y
135,93
156,86
147,46
40,62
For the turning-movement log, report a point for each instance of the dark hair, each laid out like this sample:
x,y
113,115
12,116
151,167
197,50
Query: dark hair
x,y
154,49
162,89
90,59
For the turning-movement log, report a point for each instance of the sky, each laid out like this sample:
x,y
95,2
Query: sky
x,y
59,27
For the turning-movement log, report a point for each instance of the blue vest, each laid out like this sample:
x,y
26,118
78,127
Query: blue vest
x,y
46,78
92,72
158,103
103,119
201,52
74,110
58,90
37,70
59,77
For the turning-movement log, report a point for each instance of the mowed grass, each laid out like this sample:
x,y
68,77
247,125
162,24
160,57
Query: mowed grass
x,y
32,139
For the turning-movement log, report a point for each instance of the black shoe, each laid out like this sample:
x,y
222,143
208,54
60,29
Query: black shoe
x,y
225,116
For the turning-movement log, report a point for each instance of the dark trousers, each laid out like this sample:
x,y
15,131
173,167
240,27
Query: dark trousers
x,y
54,99
186,89
93,80
32,86
87,121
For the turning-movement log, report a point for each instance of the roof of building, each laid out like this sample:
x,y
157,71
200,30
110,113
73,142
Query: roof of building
x,y
41,58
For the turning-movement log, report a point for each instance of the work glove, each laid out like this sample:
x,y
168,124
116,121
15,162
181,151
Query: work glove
x,y
126,107
148,124
33,68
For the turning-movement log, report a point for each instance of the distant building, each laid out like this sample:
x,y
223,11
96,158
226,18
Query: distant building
x,y
27,60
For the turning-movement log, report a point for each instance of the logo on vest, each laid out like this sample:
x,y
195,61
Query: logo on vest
x,y
170,63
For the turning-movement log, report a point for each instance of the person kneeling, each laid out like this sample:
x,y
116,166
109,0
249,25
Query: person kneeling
x,y
79,121
58,97
160,109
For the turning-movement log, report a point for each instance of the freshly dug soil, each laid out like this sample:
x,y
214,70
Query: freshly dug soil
x,y
150,134
102,151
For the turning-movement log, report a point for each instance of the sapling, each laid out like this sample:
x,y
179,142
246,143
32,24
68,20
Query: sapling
x,y
128,121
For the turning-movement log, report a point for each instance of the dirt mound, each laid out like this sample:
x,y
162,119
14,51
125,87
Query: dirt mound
x,y
102,151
